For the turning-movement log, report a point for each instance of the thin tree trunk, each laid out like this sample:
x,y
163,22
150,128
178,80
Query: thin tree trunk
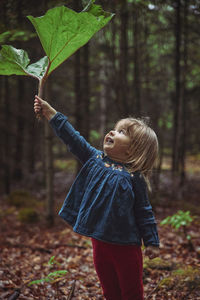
x,y
49,172
6,136
123,60
184,106
5,159
19,146
77,86
86,91
136,76
114,59
102,116
78,96
177,101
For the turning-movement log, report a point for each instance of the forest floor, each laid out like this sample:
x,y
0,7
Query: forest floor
x,y
32,251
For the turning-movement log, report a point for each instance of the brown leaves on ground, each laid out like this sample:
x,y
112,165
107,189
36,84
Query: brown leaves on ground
x,y
25,251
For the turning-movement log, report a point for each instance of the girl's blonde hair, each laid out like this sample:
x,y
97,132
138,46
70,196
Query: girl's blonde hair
x,y
143,147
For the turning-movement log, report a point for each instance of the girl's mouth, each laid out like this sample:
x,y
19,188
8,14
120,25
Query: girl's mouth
x,y
109,140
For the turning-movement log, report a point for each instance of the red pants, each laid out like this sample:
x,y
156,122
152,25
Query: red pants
x,y
119,269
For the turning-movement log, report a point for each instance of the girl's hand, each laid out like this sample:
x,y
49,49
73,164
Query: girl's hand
x,y
152,252
41,106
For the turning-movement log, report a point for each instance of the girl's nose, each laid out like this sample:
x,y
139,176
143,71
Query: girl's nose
x,y
112,132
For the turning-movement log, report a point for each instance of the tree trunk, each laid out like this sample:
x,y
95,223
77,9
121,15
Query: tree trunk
x,y
178,100
136,74
19,146
123,61
184,97
78,96
102,116
49,175
5,140
49,172
86,91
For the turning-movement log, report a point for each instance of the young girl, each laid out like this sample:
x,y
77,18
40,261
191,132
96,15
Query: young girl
x,y
108,200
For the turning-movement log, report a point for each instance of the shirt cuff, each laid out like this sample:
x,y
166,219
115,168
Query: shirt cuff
x,y
58,120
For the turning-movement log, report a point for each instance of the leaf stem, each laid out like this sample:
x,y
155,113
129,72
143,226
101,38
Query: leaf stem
x,y
41,87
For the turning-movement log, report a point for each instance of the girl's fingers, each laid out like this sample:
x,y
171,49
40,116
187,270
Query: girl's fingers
x,y
37,106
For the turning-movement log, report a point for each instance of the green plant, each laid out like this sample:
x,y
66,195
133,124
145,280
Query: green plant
x,y
62,32
53,277
180,220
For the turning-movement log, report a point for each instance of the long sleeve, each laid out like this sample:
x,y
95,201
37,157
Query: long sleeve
x,y
145,219
72,138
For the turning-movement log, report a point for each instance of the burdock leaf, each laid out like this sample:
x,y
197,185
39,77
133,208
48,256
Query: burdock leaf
x,y
16,61
63,31
13,61
39,67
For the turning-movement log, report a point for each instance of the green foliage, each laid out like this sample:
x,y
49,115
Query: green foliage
x,y
28,215
16,35
62,31
158,264
94,136
166,121
52,261
26,204
167,283
16,61
52,276
68,165
21,198
183,278
179,219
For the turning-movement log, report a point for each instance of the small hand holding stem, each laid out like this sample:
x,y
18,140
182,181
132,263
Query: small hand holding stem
x,y
43,107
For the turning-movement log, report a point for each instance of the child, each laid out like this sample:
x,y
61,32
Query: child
x,y
108,201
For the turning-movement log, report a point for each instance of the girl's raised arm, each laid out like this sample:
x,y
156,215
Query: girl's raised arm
x,y
65,131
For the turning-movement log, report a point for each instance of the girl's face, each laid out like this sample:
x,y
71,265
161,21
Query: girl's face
x,y
117,143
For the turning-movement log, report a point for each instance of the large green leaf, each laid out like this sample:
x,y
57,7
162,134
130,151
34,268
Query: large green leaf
x,y
62,31
16,61
13,61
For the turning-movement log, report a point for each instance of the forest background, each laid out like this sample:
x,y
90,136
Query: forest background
x,y
144,63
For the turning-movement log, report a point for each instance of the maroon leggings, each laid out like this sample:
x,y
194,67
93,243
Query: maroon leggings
x,y
119,269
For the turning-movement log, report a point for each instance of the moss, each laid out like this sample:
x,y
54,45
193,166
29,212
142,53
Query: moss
x,y
167,283
21,198
28,215
158,264
183,278
189,276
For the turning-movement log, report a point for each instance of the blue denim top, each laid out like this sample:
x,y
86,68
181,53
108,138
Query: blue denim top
x,y
105,202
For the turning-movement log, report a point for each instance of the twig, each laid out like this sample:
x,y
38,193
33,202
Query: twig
x,y
71,294
153,291
15,295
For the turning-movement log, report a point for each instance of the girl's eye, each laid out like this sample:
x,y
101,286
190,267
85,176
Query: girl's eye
x,y
123,131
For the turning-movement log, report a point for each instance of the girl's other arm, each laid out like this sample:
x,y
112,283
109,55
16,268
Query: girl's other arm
x,y
152,252
143,213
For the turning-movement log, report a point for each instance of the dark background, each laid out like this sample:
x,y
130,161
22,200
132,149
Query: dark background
x,y
145,62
